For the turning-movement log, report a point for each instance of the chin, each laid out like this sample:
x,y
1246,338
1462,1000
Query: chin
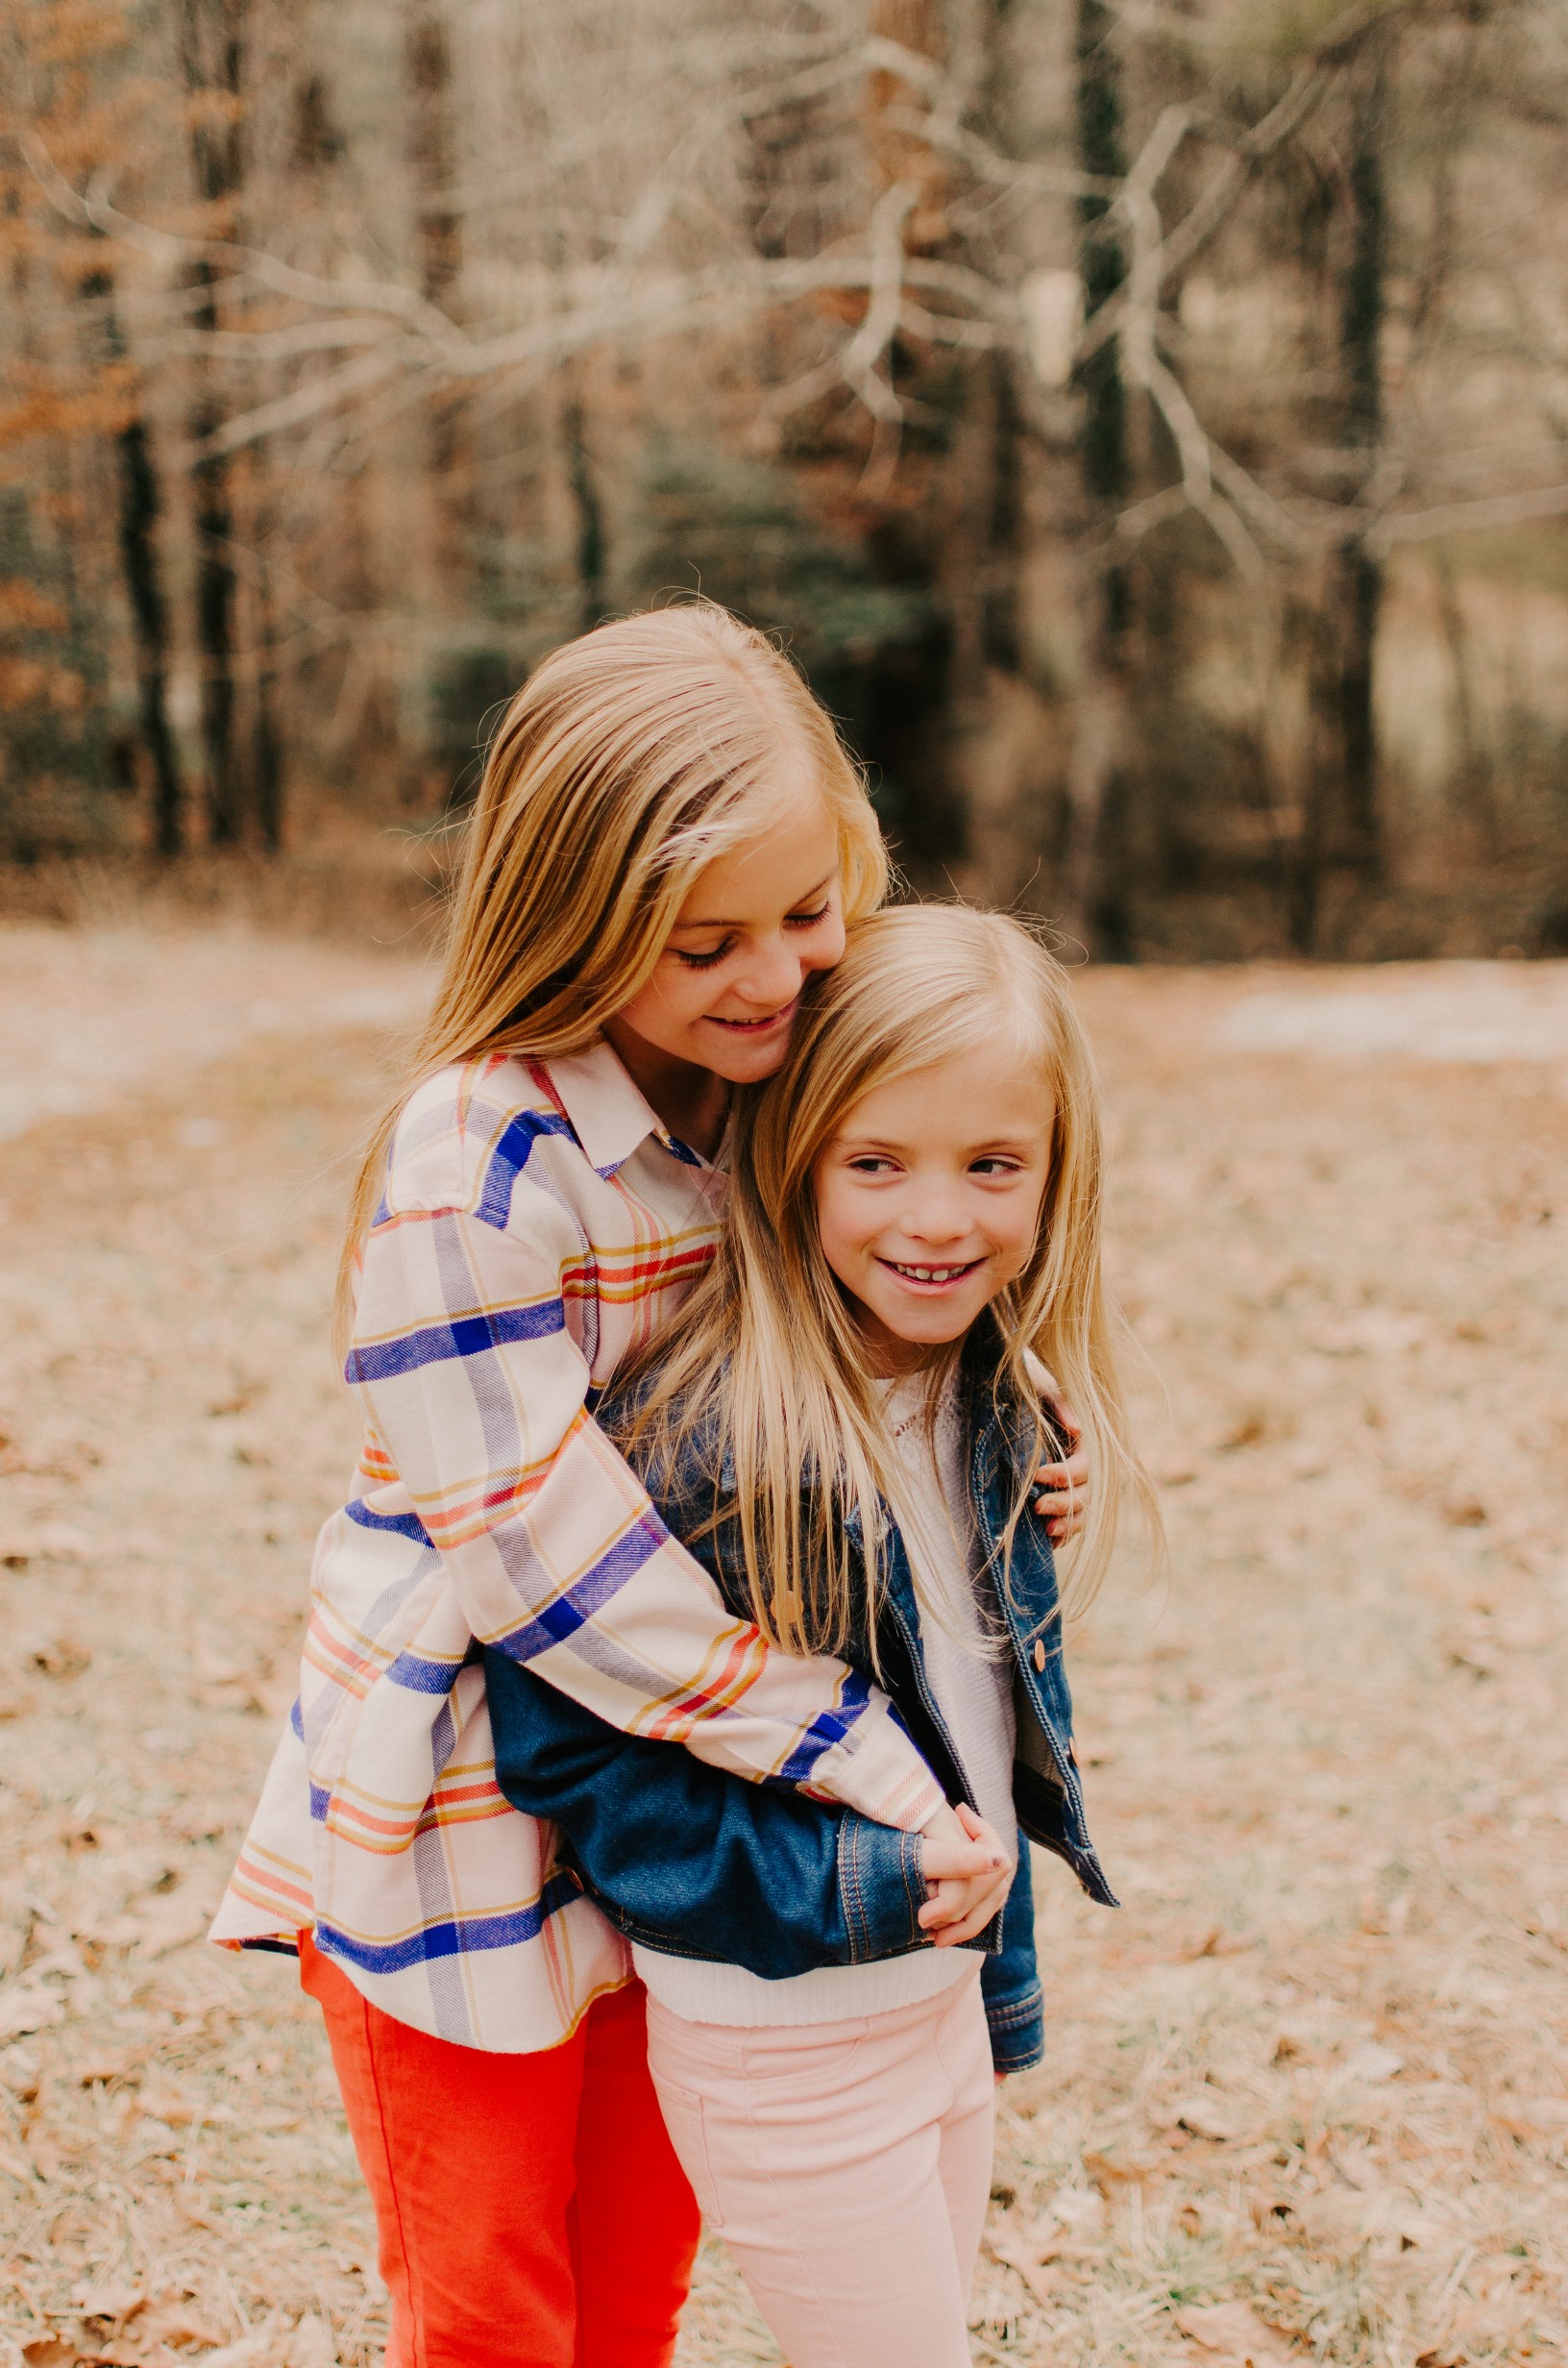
x,y
935,1332
749,1066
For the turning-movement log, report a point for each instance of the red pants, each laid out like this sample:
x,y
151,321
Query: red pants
x,y
529,2208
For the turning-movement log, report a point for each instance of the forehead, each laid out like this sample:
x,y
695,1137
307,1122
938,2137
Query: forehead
x,y
975,1095
796,845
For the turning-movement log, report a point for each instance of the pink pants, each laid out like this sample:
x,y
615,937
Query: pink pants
x,y
847,2168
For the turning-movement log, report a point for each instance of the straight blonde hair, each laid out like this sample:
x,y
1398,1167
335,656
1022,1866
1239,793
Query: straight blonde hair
x,y
630,758
764,1376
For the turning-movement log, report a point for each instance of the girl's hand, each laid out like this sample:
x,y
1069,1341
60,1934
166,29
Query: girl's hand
x,y
968,1872
1066,1502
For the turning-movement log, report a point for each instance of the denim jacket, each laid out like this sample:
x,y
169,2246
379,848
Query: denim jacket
x,y
697,1863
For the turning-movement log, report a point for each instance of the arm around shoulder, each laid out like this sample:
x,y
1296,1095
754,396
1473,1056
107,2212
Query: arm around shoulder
x,y
686,1856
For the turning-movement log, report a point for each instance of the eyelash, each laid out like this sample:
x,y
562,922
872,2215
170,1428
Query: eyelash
x,y
989,1166
792,921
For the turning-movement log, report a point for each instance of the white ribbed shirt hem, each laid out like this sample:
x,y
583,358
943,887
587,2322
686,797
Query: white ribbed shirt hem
x,y
702,1992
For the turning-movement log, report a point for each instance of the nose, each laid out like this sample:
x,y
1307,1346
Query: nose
x,y
937,1216
773,977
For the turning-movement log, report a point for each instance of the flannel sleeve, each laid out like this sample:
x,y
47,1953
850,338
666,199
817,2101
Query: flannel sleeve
x,y
685,1856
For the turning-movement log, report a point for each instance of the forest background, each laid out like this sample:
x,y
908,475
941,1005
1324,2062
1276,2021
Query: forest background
x,y
1147,424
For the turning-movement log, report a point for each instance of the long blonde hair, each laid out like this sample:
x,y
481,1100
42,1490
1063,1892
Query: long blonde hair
x,y
764,1376
630,758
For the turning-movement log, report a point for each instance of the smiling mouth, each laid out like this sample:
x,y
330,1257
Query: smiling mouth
x,y
756,1027
930,1279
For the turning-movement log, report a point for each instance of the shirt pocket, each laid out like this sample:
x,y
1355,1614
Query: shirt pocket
x,y
687,2124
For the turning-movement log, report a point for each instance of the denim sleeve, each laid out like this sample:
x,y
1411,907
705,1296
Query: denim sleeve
x,y
693,1861
1010,1980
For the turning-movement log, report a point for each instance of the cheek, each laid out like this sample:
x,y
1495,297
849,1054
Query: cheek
x,y
1014,1235
672,998
837,1233
824,949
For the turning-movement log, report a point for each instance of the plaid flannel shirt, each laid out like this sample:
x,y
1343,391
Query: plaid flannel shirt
x,y
538,1224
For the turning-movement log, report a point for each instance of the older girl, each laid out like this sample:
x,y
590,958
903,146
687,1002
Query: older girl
x,y
668,841
844,1424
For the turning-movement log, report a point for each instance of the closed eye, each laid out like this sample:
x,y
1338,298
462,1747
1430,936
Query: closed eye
x,y
704,961
809,921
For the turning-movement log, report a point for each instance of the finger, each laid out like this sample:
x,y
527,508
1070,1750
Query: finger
x,y
1071,1473
975,1826
957,1903
956,1862
977,1913
972,1926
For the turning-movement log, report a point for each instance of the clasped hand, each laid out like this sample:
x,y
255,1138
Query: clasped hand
x,y
969,1873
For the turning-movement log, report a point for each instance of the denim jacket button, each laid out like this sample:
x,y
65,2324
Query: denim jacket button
x,y
1039,1656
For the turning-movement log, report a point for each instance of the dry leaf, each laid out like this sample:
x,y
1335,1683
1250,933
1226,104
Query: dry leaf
x,y
1372,2063
1234,2332
50,2352
172,2322
118,2302
263,2343
1204,2116
179,2111
1045,2281
1081,2211
28,2009
1111,2177
311,2345
108,2065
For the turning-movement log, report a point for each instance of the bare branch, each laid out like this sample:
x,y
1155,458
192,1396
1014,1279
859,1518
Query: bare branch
x,y
1308,87
1504,509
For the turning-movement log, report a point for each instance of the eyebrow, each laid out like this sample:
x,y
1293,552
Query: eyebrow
x,y
803,898
860,1144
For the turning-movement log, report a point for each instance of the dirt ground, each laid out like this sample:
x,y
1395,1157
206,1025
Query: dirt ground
x,y
1307,2092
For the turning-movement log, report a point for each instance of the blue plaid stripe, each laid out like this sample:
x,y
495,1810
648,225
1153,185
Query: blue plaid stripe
x,y
511,1155
401,1524
598,1583
466,1336
827,1728
452,1936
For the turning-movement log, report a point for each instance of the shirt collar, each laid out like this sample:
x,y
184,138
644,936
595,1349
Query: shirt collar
x,y
608,1112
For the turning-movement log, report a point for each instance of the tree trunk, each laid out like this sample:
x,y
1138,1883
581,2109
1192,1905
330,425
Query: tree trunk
x,y
439,235
139,507
212,57
1473,771
268,756
1342,826
1361,576
1095,900
583,480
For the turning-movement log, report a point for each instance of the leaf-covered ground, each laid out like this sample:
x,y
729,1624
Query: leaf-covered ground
x,y
1306,2095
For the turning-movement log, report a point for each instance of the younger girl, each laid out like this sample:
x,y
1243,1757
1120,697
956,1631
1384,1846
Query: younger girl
x,y
842,1424
668,843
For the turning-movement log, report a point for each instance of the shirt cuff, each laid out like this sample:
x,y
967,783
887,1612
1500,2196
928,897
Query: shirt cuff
x,y
882,1888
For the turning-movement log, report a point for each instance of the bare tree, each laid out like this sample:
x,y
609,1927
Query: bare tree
x,y
211,37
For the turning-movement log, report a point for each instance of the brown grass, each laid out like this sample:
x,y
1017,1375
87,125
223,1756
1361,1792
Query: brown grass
x,y
1306,2096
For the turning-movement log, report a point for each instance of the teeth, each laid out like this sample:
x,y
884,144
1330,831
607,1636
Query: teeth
x,y
929,1274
